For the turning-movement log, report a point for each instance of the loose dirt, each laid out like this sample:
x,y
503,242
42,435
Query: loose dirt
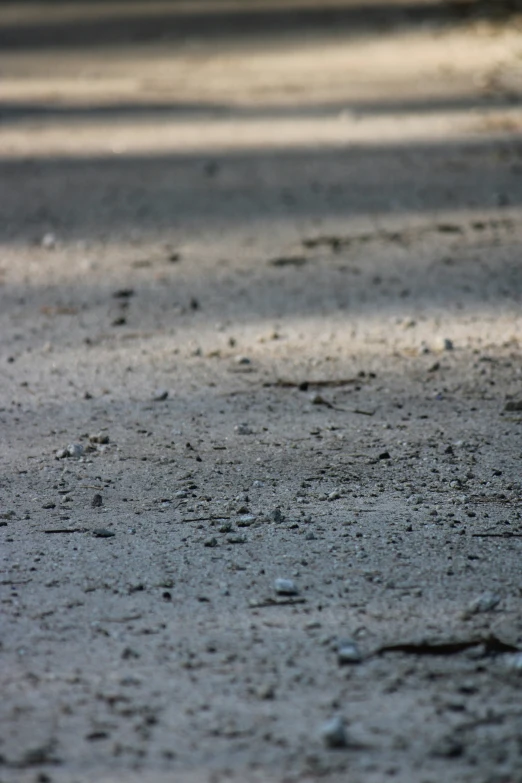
x,y
260,271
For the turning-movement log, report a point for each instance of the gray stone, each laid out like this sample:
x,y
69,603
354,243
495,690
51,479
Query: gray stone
x,y
245,520
348,652
513,405
486,602
75,450
333,733
236,540
243,429
285,587
160,395
513,662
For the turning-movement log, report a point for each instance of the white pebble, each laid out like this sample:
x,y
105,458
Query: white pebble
x,y
348,652
285,587
72,450
48,241
75,450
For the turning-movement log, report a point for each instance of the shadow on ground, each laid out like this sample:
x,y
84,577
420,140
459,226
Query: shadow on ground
x,y
216,21
108,196
12,112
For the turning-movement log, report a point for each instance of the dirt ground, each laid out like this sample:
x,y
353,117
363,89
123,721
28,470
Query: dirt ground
x,y
260,319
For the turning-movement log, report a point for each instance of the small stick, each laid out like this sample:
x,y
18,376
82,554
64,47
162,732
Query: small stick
x,y
67,530
304,385
128,619
507,534
274,602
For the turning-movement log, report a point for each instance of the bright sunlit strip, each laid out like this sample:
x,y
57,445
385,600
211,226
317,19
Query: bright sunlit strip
x,y
81,139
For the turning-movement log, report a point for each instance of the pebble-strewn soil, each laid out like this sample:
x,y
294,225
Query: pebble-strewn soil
x,y
260,319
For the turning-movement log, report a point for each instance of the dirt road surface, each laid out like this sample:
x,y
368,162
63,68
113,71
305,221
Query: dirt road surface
x,y
260,319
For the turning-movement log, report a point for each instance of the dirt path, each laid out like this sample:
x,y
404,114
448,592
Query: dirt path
x,y
260,271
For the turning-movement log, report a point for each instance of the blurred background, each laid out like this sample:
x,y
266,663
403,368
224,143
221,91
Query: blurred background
x,y
127,116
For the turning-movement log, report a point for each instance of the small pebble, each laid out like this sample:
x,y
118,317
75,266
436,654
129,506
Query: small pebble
x,y
128,653
97,501
236,540
48,241
102,532
243,429
278,516
160,395
246,520
75,450
243,360
333,733
123,293
285,587
72,450
266,691
513,662
348,652
99,437
448,344
484,603
513,405
318,399
448,747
